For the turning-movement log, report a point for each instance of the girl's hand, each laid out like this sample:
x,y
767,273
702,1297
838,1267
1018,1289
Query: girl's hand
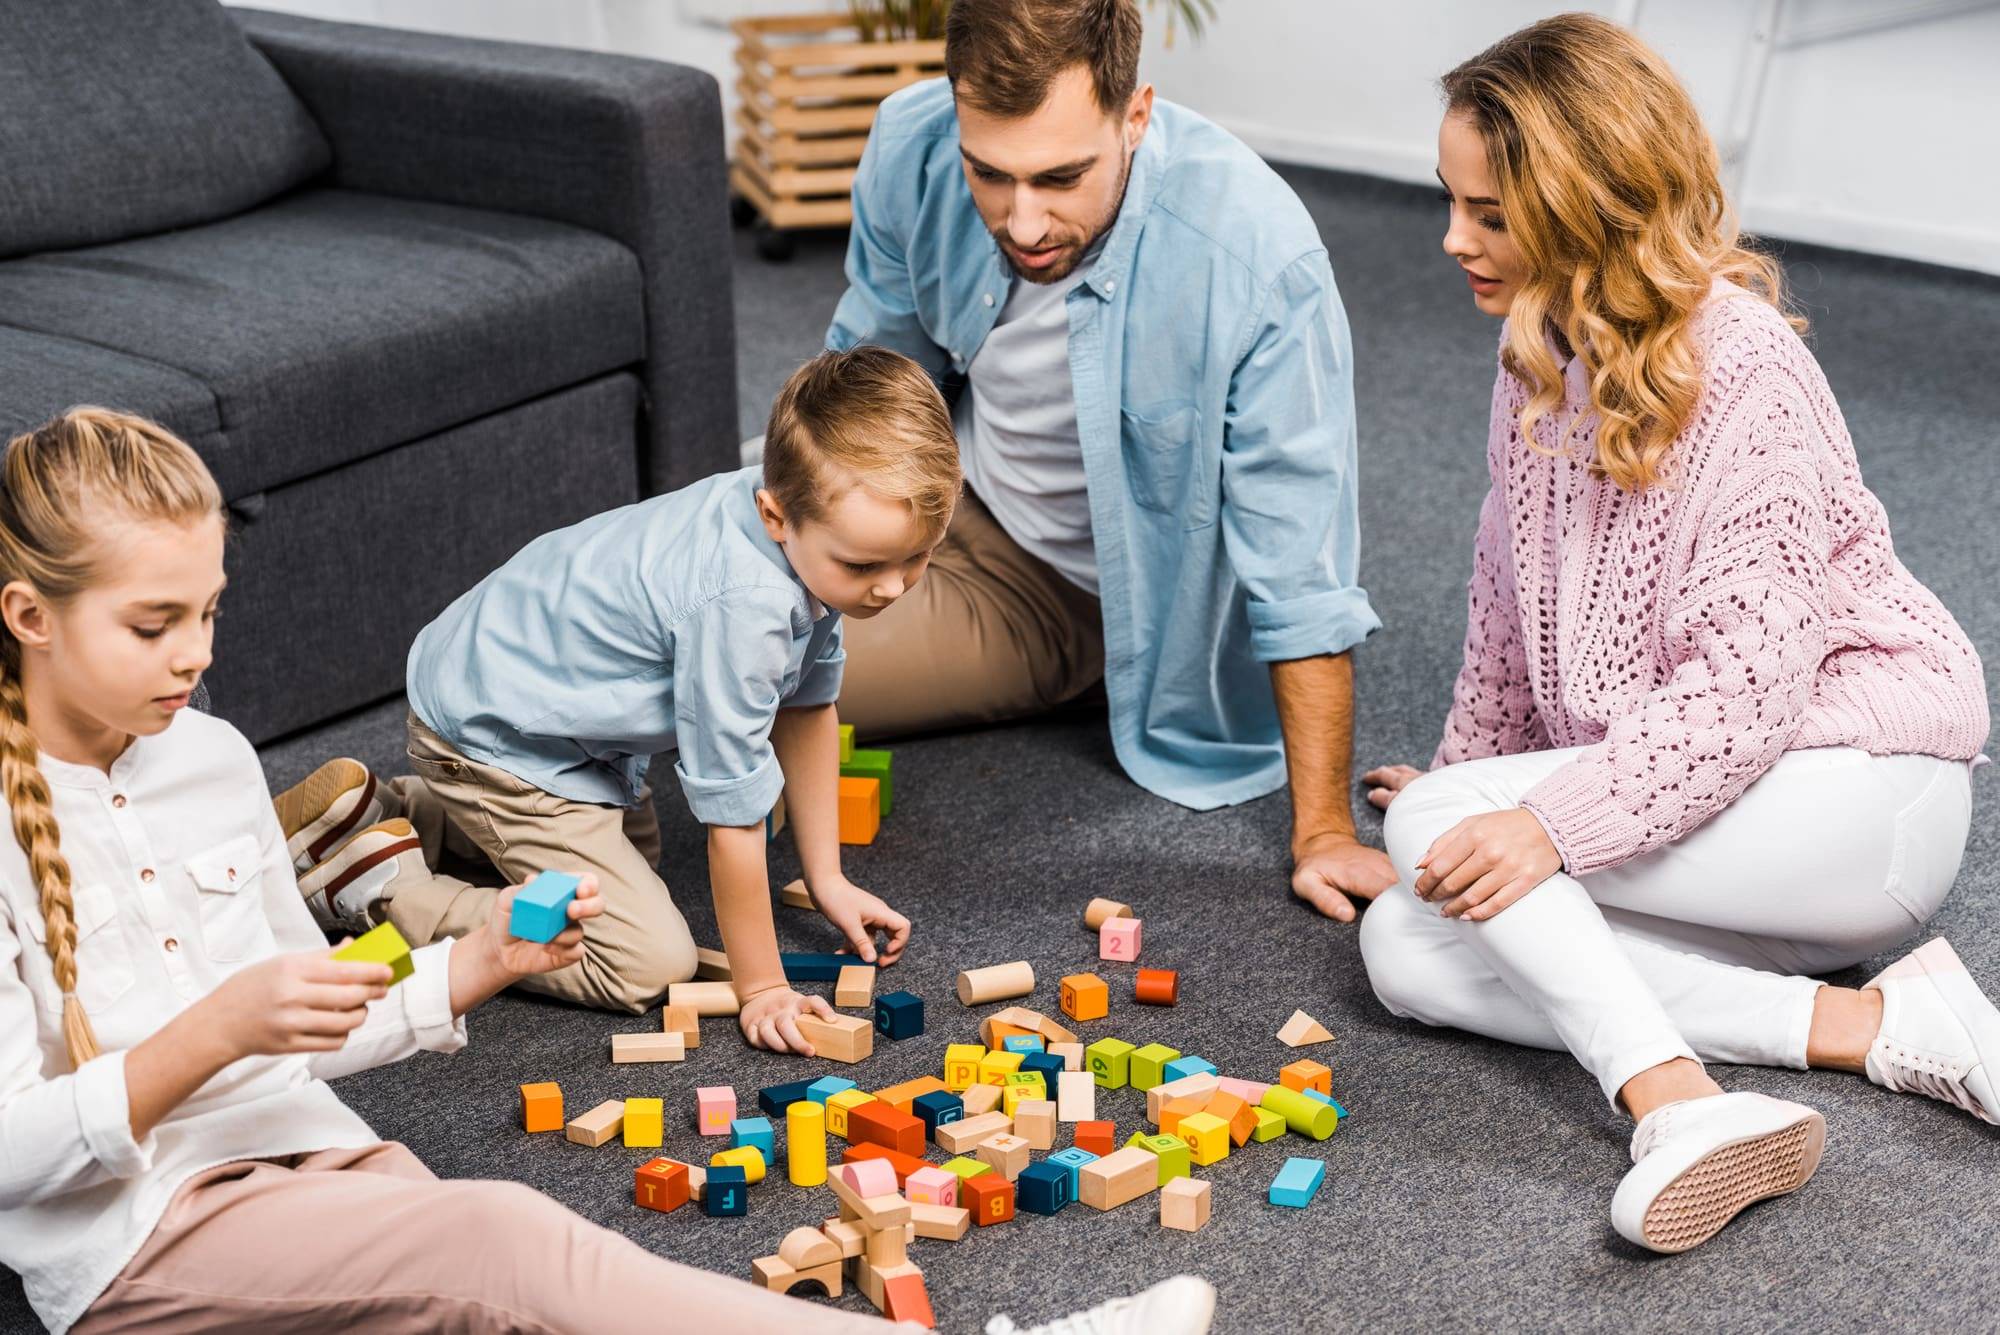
x,y
769,1019
1487,862
520,958
1385,781
304,1002
859,915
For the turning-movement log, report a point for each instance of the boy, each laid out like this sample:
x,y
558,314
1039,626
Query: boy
x,y
706,623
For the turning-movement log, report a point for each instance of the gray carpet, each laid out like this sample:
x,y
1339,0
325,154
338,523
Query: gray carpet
x,y
1471,1186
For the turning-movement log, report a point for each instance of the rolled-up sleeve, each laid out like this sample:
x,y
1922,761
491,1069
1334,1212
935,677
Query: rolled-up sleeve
x,y
730,658
819,684
1290,515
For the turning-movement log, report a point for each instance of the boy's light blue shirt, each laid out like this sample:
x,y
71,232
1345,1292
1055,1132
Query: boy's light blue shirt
x,y
672,625
1214,392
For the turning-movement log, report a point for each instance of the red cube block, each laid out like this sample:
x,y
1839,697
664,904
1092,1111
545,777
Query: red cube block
x,y
904,1164
660,1184
1097,1137
989,1196
879,1124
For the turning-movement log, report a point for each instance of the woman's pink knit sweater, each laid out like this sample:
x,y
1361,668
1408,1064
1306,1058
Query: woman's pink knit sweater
x,y
1689,634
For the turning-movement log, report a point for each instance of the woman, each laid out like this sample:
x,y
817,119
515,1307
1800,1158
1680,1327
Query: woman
x,y
1710,736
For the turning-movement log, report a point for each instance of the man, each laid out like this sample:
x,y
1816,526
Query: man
x,y
1155,416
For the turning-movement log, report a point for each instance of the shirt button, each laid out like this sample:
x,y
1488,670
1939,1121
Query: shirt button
x,y
118,799
146,875
987,298
1110,286
171,945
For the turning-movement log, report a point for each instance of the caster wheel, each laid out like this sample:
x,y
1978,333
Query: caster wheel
x,y
775,245
741,211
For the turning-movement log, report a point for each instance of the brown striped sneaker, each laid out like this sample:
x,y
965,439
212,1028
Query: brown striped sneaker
x,y
346,891
326,808
1698,1163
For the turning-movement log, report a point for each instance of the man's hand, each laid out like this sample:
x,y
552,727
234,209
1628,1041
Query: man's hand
x,y
859,915
769,1019
1486,862
1330,867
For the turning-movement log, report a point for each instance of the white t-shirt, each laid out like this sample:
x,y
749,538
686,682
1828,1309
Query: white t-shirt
x,y
1017,431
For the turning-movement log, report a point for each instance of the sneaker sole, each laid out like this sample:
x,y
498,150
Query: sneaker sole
x,y
1720,1185
342,794
324,895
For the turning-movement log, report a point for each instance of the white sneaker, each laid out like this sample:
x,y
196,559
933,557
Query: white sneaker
x,y
1183,1305
1940,1034
346,891
324,809
1697,1164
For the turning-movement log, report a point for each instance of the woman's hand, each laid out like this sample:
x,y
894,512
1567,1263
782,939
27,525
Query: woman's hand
x,y
859,915
303,1002
1484,863
769,1019
1385,781
1331,867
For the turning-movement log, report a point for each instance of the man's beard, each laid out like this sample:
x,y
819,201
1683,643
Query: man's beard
x,y
1066,266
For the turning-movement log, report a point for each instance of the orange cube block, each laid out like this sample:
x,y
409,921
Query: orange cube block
x,y
542,1106
860,810
1185,1106
1233,1109
1307,1075
1097,1137
989,1196
1085,996
660,1184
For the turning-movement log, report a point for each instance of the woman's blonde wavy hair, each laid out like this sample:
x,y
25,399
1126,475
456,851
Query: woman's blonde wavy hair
x,y
1610,186
58,484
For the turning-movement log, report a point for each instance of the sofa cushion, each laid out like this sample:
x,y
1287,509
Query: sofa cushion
x,y
332,325
122,117
45,374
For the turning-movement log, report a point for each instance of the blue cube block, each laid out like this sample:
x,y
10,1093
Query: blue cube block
x,y
1044,1187
1295,1184
1318,1097
541,907
728,1191
1339,1109
815,968
755,1131
1024,1043
899,1015
937,1108
1069,1161
1181,1066
1047,1063
774,1099
819,1091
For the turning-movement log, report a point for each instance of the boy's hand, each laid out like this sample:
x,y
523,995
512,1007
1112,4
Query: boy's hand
x,y
521,958
769,1019
859,915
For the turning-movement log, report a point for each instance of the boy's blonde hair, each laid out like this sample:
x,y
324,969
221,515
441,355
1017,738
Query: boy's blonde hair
x,y
58,484
869,412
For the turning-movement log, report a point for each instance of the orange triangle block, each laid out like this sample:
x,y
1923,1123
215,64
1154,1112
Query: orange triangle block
x,y
904,1298
1302,1029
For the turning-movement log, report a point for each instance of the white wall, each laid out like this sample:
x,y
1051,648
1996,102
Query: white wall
x,y
1880,141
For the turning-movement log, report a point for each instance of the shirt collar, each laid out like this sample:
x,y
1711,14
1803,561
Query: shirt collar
x,y
1115,260
64,774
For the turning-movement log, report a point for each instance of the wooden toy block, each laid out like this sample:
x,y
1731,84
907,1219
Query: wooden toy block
x,y
1014,1095
745,1157
905,1299
775,1100
1029,1080
813,968
645,1123
867,1178
903,1164
806,1247
1070,1053
1157,987
682,1020
1207,1137
1044,1064
697,1181
711,964
1296,1182
949,1222
1070,1160
846,1235
728,1192
1035,1122
1118,1177
774,822
1024,1044
846,742
1118,939
541,907
1110,1061
598,1125
704,998
877,1123
1096,1137
905,1095
899,1015
1269,1125
877,765
381,945
1238,1116
758,1134
805,1143
860,805
1180,1068
965,1166
1303,1074
1100,911
855,987
995,1067
839,1106
1184,1204
1250,1091
931,1186
1170,1154
1007,1153
795,895
824,1088
881,1210
542,1106
996,982
1084,996
961,1065
962,1135
1303,1116
626,1048
980,1098
1161,1094
1148,1064
995,1033
715,1109
1175,1110
780,1275
989,1197
1320,1095
1302,1029
938,1108
1076,1096
842,1038
1021,1020
661,1184
1044,1188
1339,1108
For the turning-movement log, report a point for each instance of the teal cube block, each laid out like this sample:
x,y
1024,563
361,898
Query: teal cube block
x,y
757,1133
819,1091
1185,1066
541,907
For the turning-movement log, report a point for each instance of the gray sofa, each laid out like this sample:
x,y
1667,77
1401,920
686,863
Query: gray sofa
x,y
415,299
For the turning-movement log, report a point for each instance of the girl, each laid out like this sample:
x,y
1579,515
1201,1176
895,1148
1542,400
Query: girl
x,y
1710,737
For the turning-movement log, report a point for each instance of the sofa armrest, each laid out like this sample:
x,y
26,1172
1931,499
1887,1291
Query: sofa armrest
x,y
626,147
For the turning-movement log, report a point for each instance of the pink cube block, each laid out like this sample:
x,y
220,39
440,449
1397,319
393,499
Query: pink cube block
x,y
715,1109
932,1186
1250,1091
1118,939
869,1177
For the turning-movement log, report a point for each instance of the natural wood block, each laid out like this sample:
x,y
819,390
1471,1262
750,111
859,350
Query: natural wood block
x,y
542,1106
1020,1019
704,998
860,808
962,1135
1007,1153
1184,1204
1084,996
682,1020
855,986
796,896
841,1039
712,964
846,1235
980,1098
1303,1074
949,1222
1302,1029
807,1246
1120,1176
886,1248
1100,911
1071,1054
996,982
1158,1095
1035,1122
1076,1096
598,1125
626,1048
